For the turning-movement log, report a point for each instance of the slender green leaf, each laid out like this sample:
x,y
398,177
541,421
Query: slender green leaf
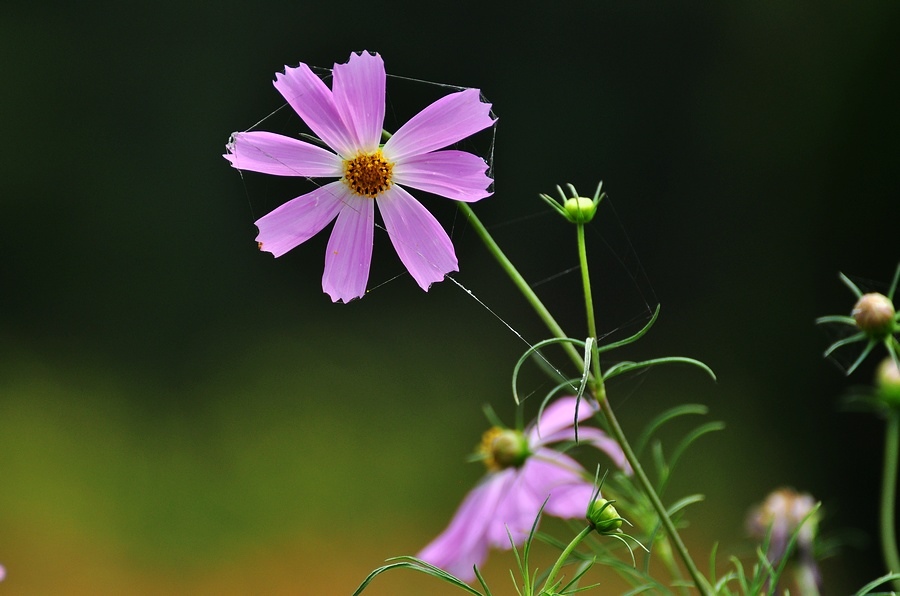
x,y
877,582
487,591
623,367
853,288
417,565
661,419
792,542
836,319
866,351
633,338
535,350
893,288
686,442
847,340
712,562
684,502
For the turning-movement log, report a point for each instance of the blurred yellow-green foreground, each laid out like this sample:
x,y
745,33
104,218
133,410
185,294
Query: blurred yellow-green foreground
x,y
181,414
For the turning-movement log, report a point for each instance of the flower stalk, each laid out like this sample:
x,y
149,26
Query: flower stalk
x,y
889,493
600,392
563,556
596,381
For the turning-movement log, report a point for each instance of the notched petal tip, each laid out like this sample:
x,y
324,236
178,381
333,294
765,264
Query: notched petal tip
x,y
229,148
441,124
365,54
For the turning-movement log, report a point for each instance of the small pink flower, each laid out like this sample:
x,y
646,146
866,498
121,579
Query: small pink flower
x,y
349,118
523,473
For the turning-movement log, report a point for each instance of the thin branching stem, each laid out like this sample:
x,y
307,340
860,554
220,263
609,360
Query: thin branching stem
x,y
599,386
619,435
889,493
596,381
520,283
551,577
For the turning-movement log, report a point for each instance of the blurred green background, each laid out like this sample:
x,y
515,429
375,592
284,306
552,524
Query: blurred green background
x,y
180,413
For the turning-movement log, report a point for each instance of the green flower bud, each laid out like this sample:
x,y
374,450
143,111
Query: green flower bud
x,y
576,209
887,381
604,517
580,209
874,314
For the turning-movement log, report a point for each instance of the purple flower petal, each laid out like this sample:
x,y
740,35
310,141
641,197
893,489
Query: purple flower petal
x,y
300,219
595,437
359,96
517,494
420,241
559,477
349,252
570,501
453,174
314,102
557,416
271,153
462,545
516,512
446,121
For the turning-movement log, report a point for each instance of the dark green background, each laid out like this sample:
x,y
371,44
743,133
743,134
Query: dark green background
x,y
180,413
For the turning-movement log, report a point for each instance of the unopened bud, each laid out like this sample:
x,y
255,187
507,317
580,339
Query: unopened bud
x,y
604,517
576,209
874,314
887,380
580,209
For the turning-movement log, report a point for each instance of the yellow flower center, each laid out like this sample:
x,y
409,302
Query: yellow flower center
x,y
503,448
368,174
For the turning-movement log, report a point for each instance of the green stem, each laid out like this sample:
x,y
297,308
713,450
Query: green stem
x,y
599,387
888,494
619,435
645,484
520,283
551,578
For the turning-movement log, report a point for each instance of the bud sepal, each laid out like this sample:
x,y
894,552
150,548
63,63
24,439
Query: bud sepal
x,y
874,319
603,517
576,209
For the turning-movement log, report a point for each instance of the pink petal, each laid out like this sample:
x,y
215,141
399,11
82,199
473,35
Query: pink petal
x,y
349,252
453,174
570,501
300,219
463,544
594,437
359,96
552,474
420,241
275,154
515,514
559,415
446,121
314,102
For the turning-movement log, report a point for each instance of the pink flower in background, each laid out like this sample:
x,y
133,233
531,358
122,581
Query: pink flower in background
x,y
523,472
349,118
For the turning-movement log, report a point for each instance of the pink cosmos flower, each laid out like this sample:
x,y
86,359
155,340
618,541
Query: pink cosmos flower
x,y
349,118
523,472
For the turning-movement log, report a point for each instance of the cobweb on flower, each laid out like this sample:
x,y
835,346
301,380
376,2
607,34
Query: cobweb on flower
x,y
405,98
623,294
